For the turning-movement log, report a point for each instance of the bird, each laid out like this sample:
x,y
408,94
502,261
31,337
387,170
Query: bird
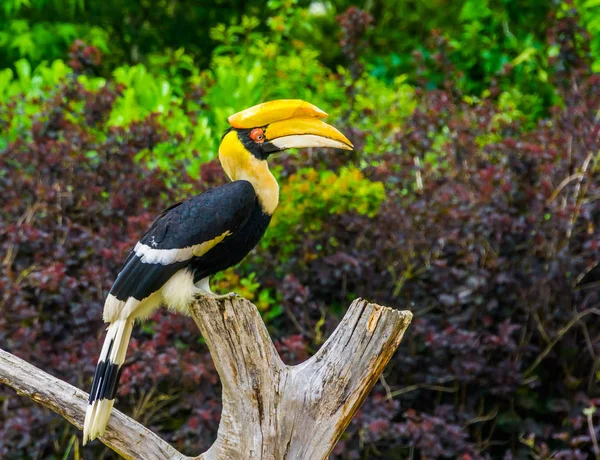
x,y
205,234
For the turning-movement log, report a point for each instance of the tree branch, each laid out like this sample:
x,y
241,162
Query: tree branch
x,y
123,435
269,409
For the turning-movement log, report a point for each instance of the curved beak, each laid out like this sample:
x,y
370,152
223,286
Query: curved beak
x,y
305,132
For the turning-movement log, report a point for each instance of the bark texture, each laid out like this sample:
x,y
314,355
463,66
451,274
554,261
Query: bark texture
x,y
270,410
123,435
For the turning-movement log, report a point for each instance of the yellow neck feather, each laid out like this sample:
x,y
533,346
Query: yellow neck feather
x,y
240,164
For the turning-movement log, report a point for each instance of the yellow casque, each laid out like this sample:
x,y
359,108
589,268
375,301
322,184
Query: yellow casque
x,y
268,112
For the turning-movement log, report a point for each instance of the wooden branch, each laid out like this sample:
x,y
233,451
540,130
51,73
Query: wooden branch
x,y
270,410
123,435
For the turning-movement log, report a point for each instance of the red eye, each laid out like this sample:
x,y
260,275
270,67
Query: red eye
x,y
257,135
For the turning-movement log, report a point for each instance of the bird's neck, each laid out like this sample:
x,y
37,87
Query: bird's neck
x,y
239,164
264,183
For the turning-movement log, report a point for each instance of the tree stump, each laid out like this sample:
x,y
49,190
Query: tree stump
x,y
270,410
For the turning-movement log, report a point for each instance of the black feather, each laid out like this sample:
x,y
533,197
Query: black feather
x,y
97,378
191,222
108,386
233,249
100,375
139,280
203,217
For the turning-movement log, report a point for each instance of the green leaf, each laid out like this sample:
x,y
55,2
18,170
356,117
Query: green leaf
x,y
273,313
23,69
69,447
474,9
526,55
591,3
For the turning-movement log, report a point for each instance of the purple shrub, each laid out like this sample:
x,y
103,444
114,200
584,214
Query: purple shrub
x,y
488,233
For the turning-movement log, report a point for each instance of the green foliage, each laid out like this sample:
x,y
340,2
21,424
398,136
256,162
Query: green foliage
x,y
485,36
276,55
310,196
285,48
250,66
271,67
448,105
388,105
251,288
36,41
495,42
131,29
589,10
144,94
26,89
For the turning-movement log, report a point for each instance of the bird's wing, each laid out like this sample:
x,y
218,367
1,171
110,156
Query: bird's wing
x,y
184,231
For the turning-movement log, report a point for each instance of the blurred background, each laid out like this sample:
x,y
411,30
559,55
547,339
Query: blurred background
x,y
472,199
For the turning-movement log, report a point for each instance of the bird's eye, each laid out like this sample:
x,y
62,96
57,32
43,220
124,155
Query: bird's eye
x,y
257,135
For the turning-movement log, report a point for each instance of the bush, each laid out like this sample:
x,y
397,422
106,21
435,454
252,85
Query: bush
x,y
489,234
492,43
462,207
73,204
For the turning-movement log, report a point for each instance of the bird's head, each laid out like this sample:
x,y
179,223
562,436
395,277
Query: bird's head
x,y
272,127
268,128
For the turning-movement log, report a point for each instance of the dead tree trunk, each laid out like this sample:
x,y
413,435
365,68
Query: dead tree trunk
x,y
270,410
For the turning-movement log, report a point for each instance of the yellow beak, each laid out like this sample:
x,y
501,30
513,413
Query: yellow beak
x,y
305,132
291,123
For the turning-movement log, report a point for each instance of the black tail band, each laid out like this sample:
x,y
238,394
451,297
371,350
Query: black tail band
x,y
106,378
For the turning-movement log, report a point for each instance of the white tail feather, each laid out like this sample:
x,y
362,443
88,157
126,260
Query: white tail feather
x,y
113,352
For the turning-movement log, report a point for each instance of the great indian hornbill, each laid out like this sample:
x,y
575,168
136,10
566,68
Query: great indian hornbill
x,y
197,238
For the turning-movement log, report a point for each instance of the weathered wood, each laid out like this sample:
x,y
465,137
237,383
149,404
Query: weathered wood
x,y
123,434
270,410
274,411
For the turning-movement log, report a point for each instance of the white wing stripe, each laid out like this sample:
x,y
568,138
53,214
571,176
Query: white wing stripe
x,y
162,256
150,255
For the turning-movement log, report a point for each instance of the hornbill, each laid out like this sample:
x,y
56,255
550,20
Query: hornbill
x,y
194,239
